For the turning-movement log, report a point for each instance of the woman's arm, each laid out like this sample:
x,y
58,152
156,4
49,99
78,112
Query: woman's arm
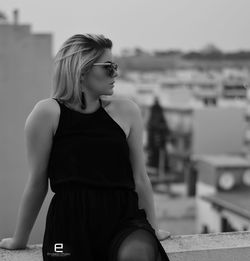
x,y
29,208
38,136
137,158
146,201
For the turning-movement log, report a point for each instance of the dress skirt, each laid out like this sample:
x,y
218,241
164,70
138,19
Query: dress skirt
x,y
89,223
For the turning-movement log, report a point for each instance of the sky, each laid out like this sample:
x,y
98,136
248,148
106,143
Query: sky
x,y
147,24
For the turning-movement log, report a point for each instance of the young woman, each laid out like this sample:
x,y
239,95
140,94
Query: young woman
x,y
91,151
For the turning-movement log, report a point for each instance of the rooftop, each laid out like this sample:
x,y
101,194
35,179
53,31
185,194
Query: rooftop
x,y
225,160
236,201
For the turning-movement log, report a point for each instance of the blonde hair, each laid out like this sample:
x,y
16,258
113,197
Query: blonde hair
x,y
75,58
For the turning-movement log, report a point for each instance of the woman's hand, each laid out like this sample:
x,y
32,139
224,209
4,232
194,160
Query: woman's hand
x,y
162,234
10,243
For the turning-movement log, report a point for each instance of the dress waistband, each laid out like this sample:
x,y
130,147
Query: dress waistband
x,y
67,186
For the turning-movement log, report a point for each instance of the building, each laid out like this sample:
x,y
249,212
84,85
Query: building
x,y
223,191
25,78
198,129
246,146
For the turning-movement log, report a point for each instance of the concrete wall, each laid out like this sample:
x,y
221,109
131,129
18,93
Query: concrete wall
x,y
25,78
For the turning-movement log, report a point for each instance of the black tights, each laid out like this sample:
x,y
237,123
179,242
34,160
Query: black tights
x,y
139,245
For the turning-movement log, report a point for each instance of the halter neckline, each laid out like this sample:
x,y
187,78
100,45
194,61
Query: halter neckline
x,y
87,113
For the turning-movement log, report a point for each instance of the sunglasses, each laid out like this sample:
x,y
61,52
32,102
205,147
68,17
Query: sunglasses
x,y
110,68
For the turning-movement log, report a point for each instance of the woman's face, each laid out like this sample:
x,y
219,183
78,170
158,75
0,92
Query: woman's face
x,y
98,81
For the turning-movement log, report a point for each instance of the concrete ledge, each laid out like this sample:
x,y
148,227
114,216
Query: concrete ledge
x,y
233,246
31,253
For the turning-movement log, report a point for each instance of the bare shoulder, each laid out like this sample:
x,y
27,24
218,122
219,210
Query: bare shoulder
x,y
46,110
39,127
129,108
123,110
48,105
122,104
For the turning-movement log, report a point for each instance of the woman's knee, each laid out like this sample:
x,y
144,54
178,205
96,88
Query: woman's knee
x,y
138,246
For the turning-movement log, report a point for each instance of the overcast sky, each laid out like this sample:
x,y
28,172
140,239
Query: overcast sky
x,y
151,25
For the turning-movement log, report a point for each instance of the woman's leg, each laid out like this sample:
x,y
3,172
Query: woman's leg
x,y
138,245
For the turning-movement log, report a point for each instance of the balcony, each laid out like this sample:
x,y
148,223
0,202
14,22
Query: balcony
x,y
232,246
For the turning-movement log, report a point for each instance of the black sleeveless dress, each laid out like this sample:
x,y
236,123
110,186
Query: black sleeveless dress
x,y
95,205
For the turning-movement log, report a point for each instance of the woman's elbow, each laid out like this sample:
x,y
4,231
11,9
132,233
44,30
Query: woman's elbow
x,y
38,184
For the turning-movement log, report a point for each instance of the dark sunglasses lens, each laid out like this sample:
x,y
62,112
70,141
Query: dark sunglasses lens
x,y
111,69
